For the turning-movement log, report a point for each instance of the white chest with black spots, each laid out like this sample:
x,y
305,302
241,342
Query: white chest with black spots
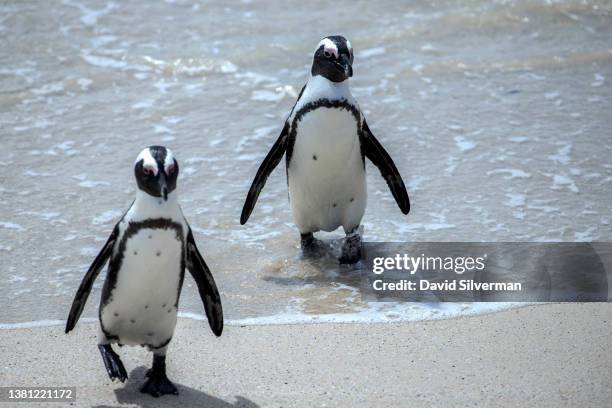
x,y
142,306
327,184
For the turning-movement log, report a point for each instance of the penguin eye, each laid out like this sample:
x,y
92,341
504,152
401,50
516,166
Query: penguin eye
x,y
170,169
147,170
327,54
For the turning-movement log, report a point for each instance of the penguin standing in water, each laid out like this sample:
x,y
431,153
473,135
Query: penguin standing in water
x,y
148,251
327,139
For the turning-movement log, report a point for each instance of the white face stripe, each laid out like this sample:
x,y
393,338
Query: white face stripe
x,y
169,161
348,45
148,160
329,46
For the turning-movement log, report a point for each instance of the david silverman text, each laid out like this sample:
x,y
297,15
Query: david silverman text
x,y
464,284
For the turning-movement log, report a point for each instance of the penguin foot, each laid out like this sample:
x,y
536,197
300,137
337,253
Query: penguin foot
x,y
307,240
351,249
312,248
157,385
112,362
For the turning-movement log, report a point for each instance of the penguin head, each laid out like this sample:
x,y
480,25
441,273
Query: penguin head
x,y
333,59
156,171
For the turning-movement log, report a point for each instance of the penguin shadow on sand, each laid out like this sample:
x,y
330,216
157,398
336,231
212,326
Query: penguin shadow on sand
x,y
188,397
321,256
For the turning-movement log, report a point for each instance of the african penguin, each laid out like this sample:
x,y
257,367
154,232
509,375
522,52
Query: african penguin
x,y
148,251
326,139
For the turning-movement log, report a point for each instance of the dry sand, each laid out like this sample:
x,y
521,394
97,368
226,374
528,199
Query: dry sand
x,y
540,356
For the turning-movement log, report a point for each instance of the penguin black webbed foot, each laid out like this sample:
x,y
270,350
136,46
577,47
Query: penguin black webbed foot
x,y
312,248
351,249
158,385
112,362
307,240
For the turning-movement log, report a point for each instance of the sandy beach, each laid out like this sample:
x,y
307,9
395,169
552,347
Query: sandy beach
x,y
537,356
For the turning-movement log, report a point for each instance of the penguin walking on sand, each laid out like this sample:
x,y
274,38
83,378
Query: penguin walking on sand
x,y
326,140
148,251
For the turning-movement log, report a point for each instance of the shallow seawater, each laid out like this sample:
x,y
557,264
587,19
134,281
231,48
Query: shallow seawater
x,y
496,113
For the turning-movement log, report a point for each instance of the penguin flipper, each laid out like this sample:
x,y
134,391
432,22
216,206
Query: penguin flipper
x,y
206,286
78,304
373,150
270,162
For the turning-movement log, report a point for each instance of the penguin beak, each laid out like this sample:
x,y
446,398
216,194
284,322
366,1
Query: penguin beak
x,y
345,64
163,186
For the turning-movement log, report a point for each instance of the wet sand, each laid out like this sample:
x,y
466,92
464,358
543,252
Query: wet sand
x,y
540,356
